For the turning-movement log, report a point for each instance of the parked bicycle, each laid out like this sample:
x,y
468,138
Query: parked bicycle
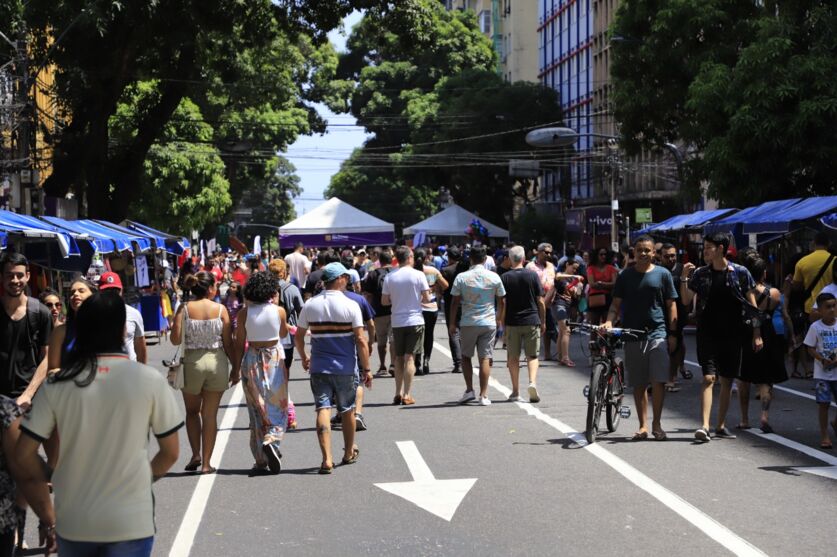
x,y
606,389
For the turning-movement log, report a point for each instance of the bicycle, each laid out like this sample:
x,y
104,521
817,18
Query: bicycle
x,y
607,378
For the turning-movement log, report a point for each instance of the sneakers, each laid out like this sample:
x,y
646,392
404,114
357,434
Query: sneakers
x,y
533,393
515,398
485,401
425,368
274,458
702,435
360,423
468,396
456,369
724,433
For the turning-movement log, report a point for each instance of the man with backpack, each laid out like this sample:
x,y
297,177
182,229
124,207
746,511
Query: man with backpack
x,y
25,327
372,288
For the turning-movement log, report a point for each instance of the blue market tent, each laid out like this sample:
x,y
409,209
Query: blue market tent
x,y
142,239
781,221
830,221
172,244
33,228
103,243
690,220
736,221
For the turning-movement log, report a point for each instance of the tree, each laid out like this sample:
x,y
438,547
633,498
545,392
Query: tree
x,y
748,86
422,80
272,199
101,48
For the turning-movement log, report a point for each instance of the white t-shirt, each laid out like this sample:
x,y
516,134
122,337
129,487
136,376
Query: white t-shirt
x,y
134,327
103,482
830,289
404,287
823,339
297,265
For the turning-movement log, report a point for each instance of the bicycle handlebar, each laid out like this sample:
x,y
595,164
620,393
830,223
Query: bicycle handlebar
x,y
613,331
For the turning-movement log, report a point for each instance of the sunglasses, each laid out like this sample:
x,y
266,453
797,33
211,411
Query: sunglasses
x,y
603,254
51,305
547,253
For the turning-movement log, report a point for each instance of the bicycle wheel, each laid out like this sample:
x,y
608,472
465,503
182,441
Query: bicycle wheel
x,y
615,390
595,401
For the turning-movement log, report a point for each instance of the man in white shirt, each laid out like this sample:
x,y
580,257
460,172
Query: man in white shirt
x,y
298,264
134,325
405,289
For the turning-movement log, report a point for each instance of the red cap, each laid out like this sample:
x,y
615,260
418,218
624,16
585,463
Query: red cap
x,y
110,280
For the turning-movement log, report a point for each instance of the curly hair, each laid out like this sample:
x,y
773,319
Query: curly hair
x,y
278,268
261,287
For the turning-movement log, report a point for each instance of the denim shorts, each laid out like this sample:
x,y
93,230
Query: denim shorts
x,y
825,391
334,390
133,548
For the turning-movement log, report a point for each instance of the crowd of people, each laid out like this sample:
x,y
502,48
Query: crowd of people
x,y
75,381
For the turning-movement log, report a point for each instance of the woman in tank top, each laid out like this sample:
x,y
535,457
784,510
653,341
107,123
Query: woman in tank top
x,y
205,329
261,326
429,310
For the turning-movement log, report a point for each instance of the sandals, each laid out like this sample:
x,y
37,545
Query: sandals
x,y
659,435
211,470
672,388
686,373
743,426
566,362
765,428
193,465
352,459
827,446
640,436
325,469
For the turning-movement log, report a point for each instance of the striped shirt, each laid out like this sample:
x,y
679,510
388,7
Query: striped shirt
x,y
332,317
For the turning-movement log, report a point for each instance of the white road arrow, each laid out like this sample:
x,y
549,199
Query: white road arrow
x,y
440,497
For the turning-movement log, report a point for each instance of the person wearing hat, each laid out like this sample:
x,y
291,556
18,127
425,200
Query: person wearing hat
x,y
338,343
134,326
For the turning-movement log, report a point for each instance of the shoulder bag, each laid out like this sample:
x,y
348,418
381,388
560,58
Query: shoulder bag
x,y
175,365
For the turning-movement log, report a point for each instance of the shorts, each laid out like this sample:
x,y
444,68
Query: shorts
x,y
719,354
559,312
407,340
825,391
383,328
646,361
205,370
527,337
329,389
477,338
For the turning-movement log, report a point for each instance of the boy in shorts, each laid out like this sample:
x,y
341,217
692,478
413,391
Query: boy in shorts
x,y
821,341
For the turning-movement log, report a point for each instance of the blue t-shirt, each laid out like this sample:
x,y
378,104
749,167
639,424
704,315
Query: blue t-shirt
x,y
478,288
643,298
332,317
365,309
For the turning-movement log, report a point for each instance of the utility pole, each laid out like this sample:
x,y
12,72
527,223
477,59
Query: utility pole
x,y
26,128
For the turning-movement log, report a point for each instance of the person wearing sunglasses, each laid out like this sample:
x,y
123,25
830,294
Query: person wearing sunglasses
x,y
52,301
544,268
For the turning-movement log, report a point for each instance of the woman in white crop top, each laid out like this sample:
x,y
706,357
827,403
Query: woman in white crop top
x,y
204,328
261,325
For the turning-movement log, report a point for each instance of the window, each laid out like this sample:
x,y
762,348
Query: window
x,y
485,22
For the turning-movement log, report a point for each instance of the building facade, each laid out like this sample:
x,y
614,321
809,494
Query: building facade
x,y
509,24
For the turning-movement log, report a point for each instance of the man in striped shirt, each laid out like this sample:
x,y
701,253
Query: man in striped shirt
x,y
338,343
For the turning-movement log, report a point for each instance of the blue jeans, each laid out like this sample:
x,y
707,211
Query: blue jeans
x,y
131,548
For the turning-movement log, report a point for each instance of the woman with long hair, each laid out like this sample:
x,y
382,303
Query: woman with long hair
x,y
52,301
204,327
104,405
261,325
234,301
601,278
429,310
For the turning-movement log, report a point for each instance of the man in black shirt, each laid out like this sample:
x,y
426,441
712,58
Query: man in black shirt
x,y
454,267
371,289
668,259
314,281
25,327
525,321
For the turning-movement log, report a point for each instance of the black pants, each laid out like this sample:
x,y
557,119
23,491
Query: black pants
x,y
430,318
7,544
454,342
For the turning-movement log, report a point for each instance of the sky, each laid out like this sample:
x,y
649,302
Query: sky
x,y
318,157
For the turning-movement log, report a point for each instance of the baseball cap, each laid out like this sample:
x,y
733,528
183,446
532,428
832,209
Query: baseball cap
x,y
110,280
333,271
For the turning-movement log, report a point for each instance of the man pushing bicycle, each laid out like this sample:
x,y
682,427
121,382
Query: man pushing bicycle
x,y
646,297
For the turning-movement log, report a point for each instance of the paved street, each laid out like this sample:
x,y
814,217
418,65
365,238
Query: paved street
x,y
537,490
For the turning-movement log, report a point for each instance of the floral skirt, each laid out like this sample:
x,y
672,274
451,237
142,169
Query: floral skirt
x,y
266,393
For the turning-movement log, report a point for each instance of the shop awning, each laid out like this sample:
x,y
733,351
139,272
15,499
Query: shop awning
x,y
690,220
781,220
171,243
102,242
142,239
31,227
750,214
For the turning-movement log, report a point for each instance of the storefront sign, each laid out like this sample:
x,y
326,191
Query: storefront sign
x,y
643,215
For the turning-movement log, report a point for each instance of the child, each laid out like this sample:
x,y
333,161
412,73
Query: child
x,y
821,341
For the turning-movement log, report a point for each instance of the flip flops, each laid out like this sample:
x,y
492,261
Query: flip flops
x,y
659,435
640,436
193,465
352,459
325,469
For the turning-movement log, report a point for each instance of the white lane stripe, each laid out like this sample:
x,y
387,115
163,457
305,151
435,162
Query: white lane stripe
x,y
415,462
197,504
708,525
779,387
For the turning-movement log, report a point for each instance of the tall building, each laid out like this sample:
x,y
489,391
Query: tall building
x,y
509,24
574,58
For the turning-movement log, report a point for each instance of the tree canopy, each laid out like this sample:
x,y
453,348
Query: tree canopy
x,y
422,80
749,87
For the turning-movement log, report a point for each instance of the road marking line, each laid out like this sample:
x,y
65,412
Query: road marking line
x,y
781,388
708,525
200,497
415,462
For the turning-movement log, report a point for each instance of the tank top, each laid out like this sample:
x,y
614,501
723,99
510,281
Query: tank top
x,y
203,334
263,323
432,305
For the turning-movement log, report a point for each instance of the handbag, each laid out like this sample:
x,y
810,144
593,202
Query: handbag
x,y
596,300
175,376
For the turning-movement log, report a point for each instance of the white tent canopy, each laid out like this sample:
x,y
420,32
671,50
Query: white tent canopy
x,y
335,222
452,222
